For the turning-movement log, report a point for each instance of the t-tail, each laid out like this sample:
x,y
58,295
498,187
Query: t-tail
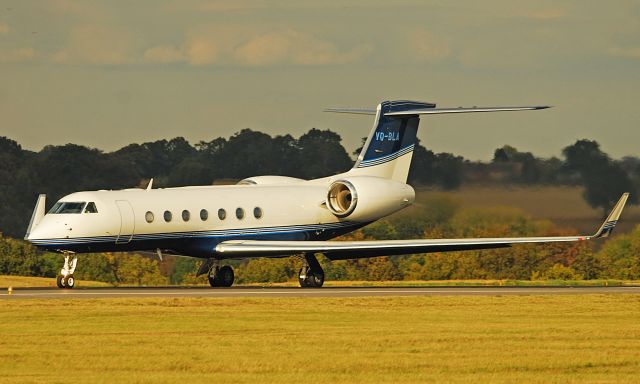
x,y
389,148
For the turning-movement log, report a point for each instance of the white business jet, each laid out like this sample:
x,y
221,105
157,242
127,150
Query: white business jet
x,y
267,216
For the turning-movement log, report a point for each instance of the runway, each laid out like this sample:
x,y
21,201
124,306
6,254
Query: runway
x,y
93,293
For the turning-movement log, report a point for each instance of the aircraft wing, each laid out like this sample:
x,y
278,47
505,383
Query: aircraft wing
x,y
337,250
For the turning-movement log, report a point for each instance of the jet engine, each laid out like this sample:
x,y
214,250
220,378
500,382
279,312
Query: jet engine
x,y
364,198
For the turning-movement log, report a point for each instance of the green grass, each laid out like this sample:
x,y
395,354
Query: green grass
x,y
544,339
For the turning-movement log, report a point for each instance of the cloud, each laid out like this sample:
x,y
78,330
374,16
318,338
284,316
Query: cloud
x,y
629,52
426,47
294,47
164,54
17,55
546,14
4,28
98,45
254,47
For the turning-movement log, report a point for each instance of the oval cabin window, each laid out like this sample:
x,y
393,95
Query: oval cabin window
x,y
186,215
240,213
167,216
257,212
149,217
204,215
222,214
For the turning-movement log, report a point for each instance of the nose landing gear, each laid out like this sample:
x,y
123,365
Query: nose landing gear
x,y
65,279
311,274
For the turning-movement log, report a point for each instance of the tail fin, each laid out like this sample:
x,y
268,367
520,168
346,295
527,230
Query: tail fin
x,y
389,148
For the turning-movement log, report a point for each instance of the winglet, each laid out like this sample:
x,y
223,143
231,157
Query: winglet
x,y
613,217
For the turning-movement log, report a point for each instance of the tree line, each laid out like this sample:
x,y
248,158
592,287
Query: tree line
x,y
63,169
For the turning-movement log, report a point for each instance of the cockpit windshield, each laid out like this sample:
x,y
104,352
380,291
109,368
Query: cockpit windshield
x,y
67,207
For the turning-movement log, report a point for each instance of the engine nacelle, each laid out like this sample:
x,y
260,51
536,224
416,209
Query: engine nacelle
x,y
270,180
366,198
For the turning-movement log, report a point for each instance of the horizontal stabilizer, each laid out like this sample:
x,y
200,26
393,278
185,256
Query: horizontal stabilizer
x,y
337,250
356,111
435,111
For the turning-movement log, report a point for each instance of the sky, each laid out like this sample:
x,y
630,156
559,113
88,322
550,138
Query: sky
x,y
108,73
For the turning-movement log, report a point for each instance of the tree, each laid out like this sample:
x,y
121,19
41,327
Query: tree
x,y
604,179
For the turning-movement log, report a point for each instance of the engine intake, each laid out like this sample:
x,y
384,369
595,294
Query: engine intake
x,y
342,198
367,198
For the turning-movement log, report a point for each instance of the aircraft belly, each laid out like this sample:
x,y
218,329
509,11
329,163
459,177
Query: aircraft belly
x,y
197,244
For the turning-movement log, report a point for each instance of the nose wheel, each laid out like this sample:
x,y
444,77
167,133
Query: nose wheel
x,y
65,279
65,282
311,274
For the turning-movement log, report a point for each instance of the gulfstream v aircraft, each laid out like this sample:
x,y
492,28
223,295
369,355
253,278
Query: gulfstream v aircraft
x,y
266,216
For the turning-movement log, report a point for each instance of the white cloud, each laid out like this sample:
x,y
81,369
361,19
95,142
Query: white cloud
x,y
294,47
164,54
630,52
546,14
17,55
256,47
94,44
427,47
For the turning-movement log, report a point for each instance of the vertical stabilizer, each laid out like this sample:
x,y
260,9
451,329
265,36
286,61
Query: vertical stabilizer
x,y
389,148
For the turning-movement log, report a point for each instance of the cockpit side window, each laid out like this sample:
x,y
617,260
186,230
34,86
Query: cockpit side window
x,y
55,207
91,208
67,207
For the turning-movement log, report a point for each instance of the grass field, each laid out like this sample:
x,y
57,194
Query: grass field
x,y
545,339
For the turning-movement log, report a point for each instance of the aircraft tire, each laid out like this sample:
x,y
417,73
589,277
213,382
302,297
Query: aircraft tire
x,y
60,281
213,281
70,282
316,280
312,280
226,276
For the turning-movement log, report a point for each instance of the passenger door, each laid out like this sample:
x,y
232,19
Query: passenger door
x,y
127,222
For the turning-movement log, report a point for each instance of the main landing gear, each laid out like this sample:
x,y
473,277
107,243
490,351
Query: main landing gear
x,y
65,279
221,276
311,274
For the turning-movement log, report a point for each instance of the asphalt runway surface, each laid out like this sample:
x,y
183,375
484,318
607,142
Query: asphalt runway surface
x,y
55,293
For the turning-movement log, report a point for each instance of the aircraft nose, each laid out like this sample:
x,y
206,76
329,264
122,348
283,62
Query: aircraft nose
x,y
35,234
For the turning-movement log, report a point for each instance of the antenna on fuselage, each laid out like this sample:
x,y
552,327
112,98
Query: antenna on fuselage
x,y
150,185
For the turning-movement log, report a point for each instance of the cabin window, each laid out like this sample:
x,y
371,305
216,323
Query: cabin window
x,y
91,208
149,217
186,215
67,207
204,215
222,214
240,213
167,216
257,212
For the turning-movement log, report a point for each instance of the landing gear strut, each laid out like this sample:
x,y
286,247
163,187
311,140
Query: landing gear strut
x,y
311,274
65,279
221,276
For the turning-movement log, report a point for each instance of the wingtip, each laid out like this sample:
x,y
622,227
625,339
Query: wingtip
x,y
611,221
